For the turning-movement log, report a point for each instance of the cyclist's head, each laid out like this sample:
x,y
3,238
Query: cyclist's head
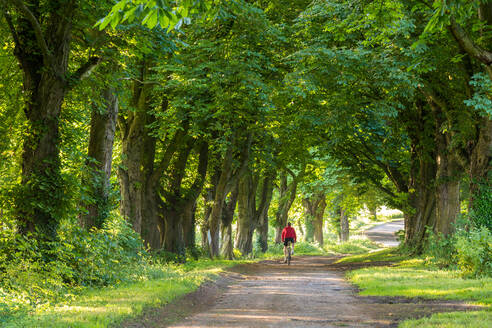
x,y
288,224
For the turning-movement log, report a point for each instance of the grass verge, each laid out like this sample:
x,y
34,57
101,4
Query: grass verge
x,y
414,277
106,306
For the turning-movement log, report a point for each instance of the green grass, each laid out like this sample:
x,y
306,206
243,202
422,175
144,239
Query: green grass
x,y
301,248
474,319
356,245
414,277
388,254
103,307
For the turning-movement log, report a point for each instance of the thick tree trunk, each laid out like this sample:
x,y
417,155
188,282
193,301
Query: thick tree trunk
x,y
189,225
419,211
246,221
103,126
152,228
263,233
218,204
481,159
173,233
447,189
424,217
41,201
179,203
314,209
226,249
287,195
344,226
209,197
249,214
140,201
227,179
267,194
226,225
42,37
309,212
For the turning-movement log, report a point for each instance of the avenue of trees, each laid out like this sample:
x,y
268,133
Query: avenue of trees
x,y
206,120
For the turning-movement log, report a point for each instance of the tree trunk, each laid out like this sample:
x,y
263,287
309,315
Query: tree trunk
x,y
310,205
139,195
226,225
481,159
314,209
374,212
173,233
419,211
344,226
152,228
267,195
42,37
250,215
178,206
189,225
318,221
227,179
246,224
103,126
218,204
226,249
41,202
263,233
287,195
447,189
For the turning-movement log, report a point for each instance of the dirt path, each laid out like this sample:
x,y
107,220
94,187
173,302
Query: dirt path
x,y
270,294
385,233
311,292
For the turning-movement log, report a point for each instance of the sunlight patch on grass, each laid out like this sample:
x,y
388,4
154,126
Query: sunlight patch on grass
x,y
475,319
388,254
420,282
415,277
356,245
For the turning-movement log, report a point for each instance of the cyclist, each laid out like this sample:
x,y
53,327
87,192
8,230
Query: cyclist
x,y
288,235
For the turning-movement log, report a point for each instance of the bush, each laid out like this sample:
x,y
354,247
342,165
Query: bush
x,y
36,271
474,252
481,214
441,250
470,251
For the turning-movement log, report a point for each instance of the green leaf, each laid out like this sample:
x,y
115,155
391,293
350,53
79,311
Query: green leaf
x,y
130,15
150,20
163,20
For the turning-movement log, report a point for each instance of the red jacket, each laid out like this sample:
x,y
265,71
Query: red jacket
x,y
289,232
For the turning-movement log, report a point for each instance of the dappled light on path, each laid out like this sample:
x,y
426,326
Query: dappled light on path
x,y
305,294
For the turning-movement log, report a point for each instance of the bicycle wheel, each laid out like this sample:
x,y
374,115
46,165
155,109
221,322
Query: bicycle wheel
x,y
289,256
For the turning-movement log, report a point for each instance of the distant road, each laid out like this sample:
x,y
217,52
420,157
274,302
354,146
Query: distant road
x,y
385,233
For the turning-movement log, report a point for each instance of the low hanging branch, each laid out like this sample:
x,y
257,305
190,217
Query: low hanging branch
x,y
27,13
468,45
85,70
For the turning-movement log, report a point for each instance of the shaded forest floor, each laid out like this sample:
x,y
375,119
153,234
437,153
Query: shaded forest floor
x,y
312,292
